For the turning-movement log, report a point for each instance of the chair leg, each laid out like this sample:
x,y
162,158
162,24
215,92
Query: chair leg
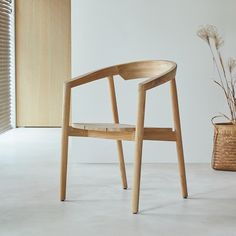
x,y
138,150
137,175
64,160
179,145
122,164
181,165
65,140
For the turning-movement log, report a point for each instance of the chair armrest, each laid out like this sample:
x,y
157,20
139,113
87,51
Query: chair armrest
x,y
92,76
156,81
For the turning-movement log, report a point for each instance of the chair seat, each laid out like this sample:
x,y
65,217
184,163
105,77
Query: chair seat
x,y
104,127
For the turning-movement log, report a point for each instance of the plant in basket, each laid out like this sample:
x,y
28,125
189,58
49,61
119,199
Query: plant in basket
x,y
224,150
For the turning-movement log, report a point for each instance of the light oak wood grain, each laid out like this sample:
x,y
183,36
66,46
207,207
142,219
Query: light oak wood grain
x,y
160,72
179,144
150,133
65,139
104,126
43,60
116,121
138,149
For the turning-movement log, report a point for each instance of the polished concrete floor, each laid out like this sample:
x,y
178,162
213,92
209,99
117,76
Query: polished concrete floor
x,y
97,205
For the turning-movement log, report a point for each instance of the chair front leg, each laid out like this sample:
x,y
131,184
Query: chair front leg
x,y
64,160
179,144
65,140
138,150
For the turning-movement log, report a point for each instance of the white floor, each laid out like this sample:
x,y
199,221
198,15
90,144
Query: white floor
x,y
97,205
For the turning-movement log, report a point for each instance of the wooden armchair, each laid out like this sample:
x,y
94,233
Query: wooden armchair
x,y
158,72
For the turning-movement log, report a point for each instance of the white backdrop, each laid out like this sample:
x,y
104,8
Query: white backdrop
x,y
108,32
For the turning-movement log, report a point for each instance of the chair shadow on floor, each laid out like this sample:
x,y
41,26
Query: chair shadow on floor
x,y
205,201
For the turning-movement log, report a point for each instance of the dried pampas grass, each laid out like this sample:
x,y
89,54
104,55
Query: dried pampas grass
x,y
210,31
227,81
231,64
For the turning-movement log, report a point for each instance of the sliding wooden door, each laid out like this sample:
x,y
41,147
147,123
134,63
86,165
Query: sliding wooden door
x,y
43,60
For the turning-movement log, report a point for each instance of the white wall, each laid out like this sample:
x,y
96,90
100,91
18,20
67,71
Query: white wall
x,y
108,32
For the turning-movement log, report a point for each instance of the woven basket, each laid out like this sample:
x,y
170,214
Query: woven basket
x,y
224,151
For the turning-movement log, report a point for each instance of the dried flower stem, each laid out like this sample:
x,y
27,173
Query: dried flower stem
x,y
227,81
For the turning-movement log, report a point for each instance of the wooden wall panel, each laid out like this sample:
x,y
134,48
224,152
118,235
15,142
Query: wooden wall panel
x,y
43,60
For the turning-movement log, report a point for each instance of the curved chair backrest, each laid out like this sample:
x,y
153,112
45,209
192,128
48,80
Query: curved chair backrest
x,y
145,69
128,71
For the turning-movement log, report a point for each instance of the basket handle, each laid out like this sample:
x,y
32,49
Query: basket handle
x,y
221,115
214,117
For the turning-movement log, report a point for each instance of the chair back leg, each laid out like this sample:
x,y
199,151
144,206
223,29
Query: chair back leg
x,y
179,144
118,142
122,164
138,151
